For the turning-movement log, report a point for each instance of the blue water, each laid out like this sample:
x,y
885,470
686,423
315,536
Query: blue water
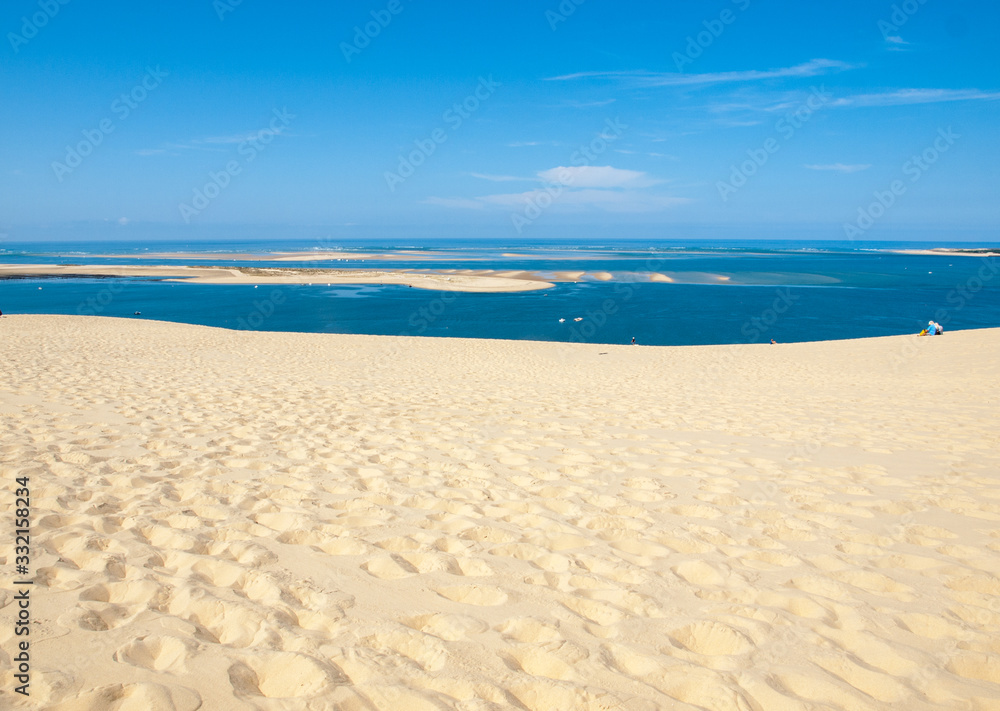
x,y
788,291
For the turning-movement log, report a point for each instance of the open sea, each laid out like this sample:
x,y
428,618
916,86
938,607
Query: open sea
x,y
788,291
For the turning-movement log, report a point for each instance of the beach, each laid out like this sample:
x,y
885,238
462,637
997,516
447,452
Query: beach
x,y
250,520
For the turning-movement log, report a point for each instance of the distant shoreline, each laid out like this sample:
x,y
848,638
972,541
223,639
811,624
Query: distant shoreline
x,y
951,252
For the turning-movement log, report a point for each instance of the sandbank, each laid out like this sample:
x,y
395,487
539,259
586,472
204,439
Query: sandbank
x,y
468,282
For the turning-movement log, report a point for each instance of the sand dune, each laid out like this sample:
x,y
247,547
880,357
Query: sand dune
x,y
230,520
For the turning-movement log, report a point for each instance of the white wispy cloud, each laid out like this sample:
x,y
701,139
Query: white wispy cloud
x,y
589,104
812,68
841,167
240,137
578,187
607,200
592,176
209,143
501,178
174,149
746,106
905,97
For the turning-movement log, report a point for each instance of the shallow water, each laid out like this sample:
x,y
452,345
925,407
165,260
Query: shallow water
x,y
786,291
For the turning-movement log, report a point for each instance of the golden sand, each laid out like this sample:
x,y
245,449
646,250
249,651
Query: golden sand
x,y
237,520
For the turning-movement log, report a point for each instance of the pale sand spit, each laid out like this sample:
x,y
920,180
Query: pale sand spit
x,y
239,520
945,252
483,281
307,256
656,276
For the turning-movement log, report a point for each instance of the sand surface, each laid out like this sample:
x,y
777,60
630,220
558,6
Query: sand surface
x,y
237,520
308,256
467,280
944,252
483,281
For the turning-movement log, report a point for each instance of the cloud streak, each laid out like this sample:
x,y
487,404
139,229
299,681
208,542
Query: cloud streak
x,y
812,68
588,198
579,187
841,168
501,178
772,103
210,143
910,97
591,176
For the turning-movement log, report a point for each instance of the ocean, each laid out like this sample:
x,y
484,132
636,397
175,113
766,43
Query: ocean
x,y
788,291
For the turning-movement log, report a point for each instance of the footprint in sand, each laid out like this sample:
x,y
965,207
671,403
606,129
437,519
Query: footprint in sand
x,y
218,572
876,583
425,650
696,511
99,618
235,625
451,628
929,626
283,675
593,611
529,631
479,595
701,688
388,568
712,639
975,665
133,697
57,578
554,660
545,695
139,592
821,688
157,653
633,662
699,573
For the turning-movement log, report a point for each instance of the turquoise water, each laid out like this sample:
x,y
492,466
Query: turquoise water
x,y
791,292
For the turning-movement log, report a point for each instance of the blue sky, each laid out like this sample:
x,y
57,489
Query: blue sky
x,y
720,119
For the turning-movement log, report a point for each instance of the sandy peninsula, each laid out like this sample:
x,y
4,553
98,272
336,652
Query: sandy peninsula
x,y
949,252
241,520
306,256
452,280
466,280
